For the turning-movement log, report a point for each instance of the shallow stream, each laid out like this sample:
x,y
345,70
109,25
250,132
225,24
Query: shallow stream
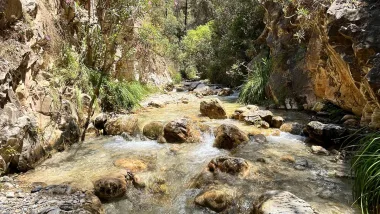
x,y
172,168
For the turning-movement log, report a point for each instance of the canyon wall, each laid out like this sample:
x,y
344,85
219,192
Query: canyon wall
x,y
325,51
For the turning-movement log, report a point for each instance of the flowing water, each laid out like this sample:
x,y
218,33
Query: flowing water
x,y
173,168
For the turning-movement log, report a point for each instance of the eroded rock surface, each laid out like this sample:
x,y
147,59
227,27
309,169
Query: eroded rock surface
x,y
229,136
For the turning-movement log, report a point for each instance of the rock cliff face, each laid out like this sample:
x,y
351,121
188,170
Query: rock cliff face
x,y
36,113
326,51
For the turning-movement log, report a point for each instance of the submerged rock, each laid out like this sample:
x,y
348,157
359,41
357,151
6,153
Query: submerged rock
x,y
213,109
216,198
153,130
230,165
133,165
182,131
281,202
110,188
229,137
125,123
260,139
325,133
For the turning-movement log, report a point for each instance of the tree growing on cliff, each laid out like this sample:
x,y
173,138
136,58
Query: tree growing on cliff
x,y
109,22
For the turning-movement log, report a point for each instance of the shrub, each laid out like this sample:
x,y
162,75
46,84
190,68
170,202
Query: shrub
x,y
253,91
366,167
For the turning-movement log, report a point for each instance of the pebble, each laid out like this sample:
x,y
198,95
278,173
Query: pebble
x,y
10,194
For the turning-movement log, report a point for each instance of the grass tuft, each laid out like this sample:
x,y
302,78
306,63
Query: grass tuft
x,y
366,167
253,91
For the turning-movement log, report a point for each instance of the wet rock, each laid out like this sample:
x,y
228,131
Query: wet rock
x,y
213,109
262,124
325,133
261,160
348,117
153,130
260,139
156,104
229,137
225,92
318,106
301,164
203,90
133,165
110,188
215,198
126,123
37,186
288,158
277,122
182,131
161,139
230,165
292,128
319,150
281,202
257,116
100,121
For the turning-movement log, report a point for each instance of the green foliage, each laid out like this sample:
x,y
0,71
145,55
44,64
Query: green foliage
x,y
119,95
253,90
366,167
197,50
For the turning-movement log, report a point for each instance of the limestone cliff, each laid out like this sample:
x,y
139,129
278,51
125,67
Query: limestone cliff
x,y
326,51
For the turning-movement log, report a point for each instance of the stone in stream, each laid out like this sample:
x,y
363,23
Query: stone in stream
x,y
225,92
182,131
277,122
125,123
133,165
213,109
319,150
281,202
325,134
230,165
229,136
100,121
110,188
153,130
292,128
216,198
260,139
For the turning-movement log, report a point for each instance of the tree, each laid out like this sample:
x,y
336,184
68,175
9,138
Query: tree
x,y
104,37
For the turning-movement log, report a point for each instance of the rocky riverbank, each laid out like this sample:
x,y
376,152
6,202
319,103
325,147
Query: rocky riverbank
x,y
195,155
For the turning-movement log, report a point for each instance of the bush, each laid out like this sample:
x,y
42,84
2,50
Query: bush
x,y
366,168
119,95
253,90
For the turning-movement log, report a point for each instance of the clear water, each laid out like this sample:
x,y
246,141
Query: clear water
x,y
179,165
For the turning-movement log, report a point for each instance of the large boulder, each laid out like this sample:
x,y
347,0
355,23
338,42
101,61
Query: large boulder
x,y
225,92
20,146
241,112
217,198
153,130
230,165
229,137
281,202
255,117
119,125
182,131
70,134
325,133
213,109
110,188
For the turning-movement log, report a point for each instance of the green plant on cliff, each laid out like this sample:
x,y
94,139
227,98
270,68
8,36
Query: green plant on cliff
x,y
253,90
366,167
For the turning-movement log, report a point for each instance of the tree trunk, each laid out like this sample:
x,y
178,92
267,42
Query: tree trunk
x,y
90,111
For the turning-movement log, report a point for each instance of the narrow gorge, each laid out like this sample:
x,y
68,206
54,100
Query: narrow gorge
x,y
189,106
